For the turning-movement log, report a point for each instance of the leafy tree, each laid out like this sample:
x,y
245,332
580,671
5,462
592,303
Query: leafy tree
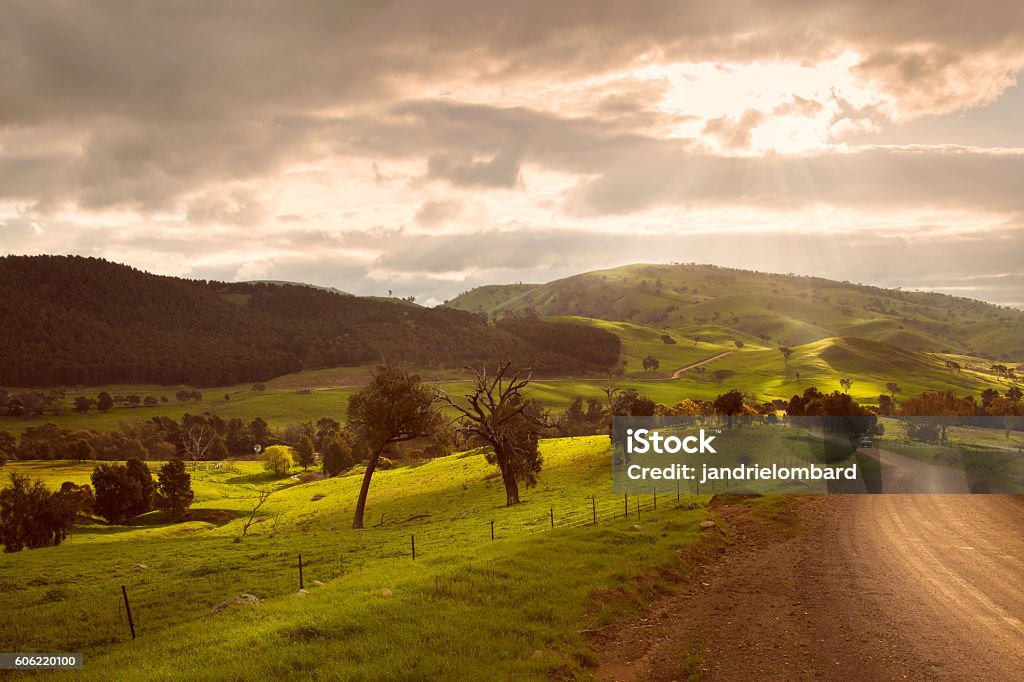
x,y
934,412
846,383
1015,393
117,493
893,388
259,430
305,451
8,445
31,516
218,448
738,343
104,402
729,404
338,454
83,404
501,416
394,407
651,363
786,353
278,459
139,471
174,489
83,451
667,340
259,388
721,375
988,396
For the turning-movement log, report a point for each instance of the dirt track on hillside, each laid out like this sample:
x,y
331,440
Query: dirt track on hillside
x,y
843,587
679,372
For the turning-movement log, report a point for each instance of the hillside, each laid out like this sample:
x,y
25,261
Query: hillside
x,y
73,320
468,607
706,301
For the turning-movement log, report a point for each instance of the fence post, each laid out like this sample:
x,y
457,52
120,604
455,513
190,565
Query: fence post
x,y
492,530
552,517
638,506
593,500
677,490
413,539
655,499
625,500
301,586
128,610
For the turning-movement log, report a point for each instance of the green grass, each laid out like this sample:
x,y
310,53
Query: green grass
x,y
466,608
790,310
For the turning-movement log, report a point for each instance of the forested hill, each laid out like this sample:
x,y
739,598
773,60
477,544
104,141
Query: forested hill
x,y
72,320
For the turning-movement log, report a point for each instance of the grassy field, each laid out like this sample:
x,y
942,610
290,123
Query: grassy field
x,y
466,608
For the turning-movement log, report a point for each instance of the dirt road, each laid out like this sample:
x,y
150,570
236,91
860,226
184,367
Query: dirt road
x,y
679,372
843,587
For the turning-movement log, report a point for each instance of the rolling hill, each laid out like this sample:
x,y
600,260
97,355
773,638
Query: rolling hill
x,y
73,320
707,302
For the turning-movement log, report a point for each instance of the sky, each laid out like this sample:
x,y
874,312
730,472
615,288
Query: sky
x,y
425,148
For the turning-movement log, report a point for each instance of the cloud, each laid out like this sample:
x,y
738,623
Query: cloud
x,y
502,170
337,140
734,134
437,212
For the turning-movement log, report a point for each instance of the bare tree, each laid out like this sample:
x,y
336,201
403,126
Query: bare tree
x,y
196,441
262,497
502,417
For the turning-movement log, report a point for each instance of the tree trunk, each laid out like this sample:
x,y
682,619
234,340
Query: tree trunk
x,y
511,487
357,522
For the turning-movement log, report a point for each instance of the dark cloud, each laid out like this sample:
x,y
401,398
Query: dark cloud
x,y
500,171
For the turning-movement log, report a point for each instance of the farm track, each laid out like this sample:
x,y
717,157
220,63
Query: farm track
x,y
679,372
840,587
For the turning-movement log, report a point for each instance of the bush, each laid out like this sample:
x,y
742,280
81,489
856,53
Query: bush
x,y
278,459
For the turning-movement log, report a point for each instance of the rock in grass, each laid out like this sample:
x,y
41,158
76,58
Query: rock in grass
x,y
317,497
240,600
705,525
318,583
635,526
141,567
385,592
302,593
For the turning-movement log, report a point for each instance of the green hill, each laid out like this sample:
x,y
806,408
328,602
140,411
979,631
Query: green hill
x,y
705,300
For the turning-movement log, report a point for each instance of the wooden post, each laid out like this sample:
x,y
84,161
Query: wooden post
x,y
128,610
552,517
492,531
638,507
593,501
413,538
677,490
625,500
655,499
301,586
